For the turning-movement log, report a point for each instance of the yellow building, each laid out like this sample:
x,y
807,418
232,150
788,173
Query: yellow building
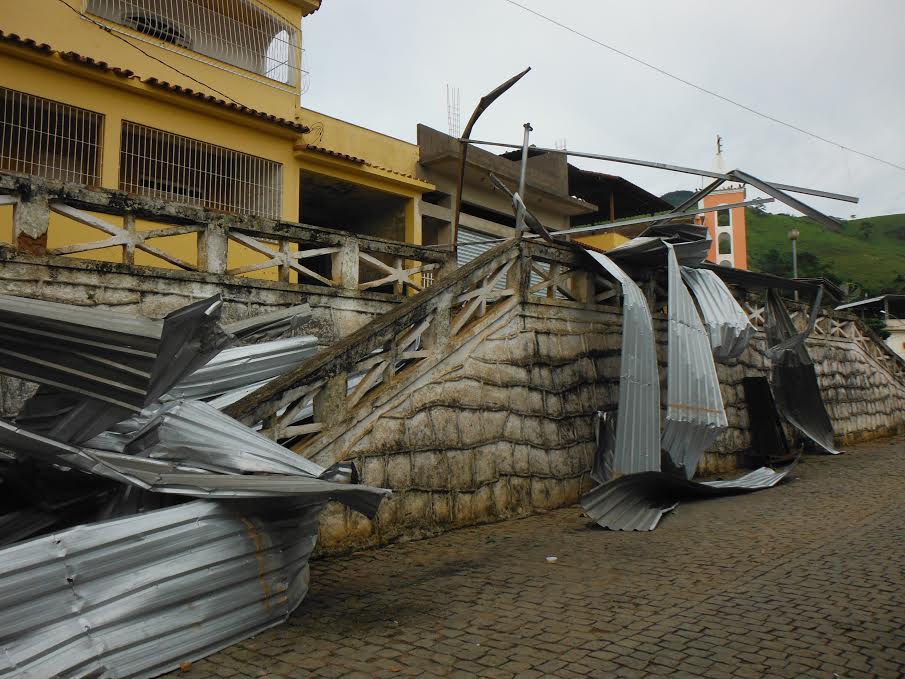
x,y
192,101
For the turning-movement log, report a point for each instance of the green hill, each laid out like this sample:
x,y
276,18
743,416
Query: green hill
x,y
869,252
676,198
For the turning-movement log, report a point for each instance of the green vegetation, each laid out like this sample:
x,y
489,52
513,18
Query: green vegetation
x,y
676,198
868,255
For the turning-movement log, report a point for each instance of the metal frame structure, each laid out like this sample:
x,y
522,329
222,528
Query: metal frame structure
x,y
730,176
606,226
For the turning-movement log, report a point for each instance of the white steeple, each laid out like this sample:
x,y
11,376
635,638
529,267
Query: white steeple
x,y
718,164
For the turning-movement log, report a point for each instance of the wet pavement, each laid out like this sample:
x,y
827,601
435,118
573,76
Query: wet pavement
x,y
806,579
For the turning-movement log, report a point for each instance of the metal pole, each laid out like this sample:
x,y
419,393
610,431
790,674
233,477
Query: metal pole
x,y
483,103
794,259
524,168
795,263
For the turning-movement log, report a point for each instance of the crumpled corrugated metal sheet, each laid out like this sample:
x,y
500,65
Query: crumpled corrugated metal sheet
x,y
168,580
627,503
639,501
269,326
691,243
795,388
694,410
239,367
726,322
137,596
637,438
196,434
109,364
173,477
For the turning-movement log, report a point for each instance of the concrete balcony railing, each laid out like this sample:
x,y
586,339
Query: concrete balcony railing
x,y
221,244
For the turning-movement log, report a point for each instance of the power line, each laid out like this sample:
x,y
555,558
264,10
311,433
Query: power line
x,y
106,29
701,88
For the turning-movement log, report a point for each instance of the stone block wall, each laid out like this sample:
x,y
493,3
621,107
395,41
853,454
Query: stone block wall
x,y
504,427
153,293
501,428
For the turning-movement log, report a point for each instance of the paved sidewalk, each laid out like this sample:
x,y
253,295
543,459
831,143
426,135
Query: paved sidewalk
x,y
806,579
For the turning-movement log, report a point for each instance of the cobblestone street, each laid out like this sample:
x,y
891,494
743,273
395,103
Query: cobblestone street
x,y
806,579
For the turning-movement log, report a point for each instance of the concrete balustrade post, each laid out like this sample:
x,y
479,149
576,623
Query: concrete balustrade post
x,y
345,265
213,245
31,219
330,402
437,334
583,287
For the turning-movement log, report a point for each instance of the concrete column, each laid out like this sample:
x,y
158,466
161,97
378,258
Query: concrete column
x,y
31,219
444,232
330,402
129,248
583,287
398,263
437,334
213,245
345,265
519,273
284,269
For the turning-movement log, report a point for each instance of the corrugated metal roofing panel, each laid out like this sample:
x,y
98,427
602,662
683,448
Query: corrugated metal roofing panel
x,y
624,504
136,597
694,411
639,501
638,423
271,325
183,477
124,362
238,367
726,321
795,387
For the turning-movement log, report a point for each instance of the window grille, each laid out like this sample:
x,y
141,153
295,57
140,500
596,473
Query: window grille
x,y
427,279
237,32
163,165
47,138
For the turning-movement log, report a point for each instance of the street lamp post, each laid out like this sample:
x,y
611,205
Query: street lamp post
x,y
793,236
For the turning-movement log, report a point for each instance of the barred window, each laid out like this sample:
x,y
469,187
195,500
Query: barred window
x,y
160,164
50,139
237,32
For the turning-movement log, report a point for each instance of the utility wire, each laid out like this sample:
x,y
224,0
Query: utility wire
x,y
661,71
107,29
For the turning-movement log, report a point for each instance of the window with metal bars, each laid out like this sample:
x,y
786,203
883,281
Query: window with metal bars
x,y
50,139
160,164
238,32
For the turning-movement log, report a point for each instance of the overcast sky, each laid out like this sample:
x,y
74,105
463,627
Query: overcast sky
x,y
835,67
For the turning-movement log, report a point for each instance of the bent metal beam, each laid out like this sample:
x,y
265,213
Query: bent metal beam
x,y
666,166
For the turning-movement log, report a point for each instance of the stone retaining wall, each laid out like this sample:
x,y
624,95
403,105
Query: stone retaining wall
x,y
501,428
504,427
154,293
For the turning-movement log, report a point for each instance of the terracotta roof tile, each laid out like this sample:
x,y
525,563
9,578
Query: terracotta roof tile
x,y
90,62
333,154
